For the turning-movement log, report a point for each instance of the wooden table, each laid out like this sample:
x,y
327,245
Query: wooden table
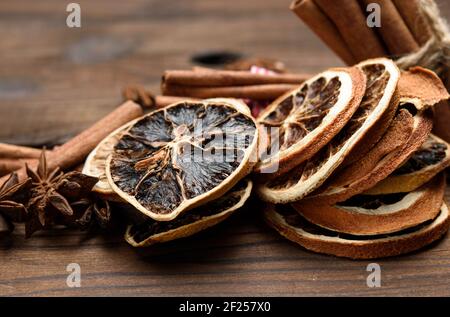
x,y
55,81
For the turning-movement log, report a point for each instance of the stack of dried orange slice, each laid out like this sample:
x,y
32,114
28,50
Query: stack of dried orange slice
x,y
182,168
348,166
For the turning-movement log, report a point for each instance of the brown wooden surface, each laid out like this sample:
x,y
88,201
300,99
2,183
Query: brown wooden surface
x,y
54,81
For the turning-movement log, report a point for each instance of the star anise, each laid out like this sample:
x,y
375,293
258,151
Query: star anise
x,y
94,212
12,197
51,195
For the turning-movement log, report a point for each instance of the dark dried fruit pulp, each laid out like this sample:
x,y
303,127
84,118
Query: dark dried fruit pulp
x,y
431,153
179,153
306,110
372,201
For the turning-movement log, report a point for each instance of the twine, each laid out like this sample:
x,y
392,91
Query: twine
x,y
434,54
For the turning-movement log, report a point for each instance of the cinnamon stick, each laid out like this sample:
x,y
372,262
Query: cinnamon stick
x,y
351,23
9,165
12,151
74,151
410,12
164,101
255,92
227,78
394,31
324,28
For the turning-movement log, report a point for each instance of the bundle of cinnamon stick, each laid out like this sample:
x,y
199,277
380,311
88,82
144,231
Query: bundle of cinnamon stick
x,y
404,31
343,26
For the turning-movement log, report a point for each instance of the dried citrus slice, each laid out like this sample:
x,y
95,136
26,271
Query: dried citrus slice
x,y
430,159
95,164
150,232
296,125
290,224
382,77
377,214
182,156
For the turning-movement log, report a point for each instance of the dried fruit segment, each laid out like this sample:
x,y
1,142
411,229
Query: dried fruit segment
x,y
377,214
176,158
382,77
290,224
149,231
430,159
299,123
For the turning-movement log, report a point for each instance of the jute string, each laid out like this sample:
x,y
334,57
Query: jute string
x,y
435,53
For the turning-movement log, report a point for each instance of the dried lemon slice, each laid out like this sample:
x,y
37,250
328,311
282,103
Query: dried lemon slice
x,y
95,164
430,159
298,124
290,224
382,77
377,214
151,232
184,155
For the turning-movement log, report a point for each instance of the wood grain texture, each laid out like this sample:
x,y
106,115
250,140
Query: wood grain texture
x,y
55,81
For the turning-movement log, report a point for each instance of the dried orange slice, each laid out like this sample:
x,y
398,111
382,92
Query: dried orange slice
x,y
298,124
430,159
95,164
182,156
377,214
382,77
290,224
150,232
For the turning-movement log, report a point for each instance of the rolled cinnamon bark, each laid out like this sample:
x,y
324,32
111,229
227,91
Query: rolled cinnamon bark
x,y
218,78
8,165
164,101
351,22
324,28
74,151
394,31
12,151
255,92
410,12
